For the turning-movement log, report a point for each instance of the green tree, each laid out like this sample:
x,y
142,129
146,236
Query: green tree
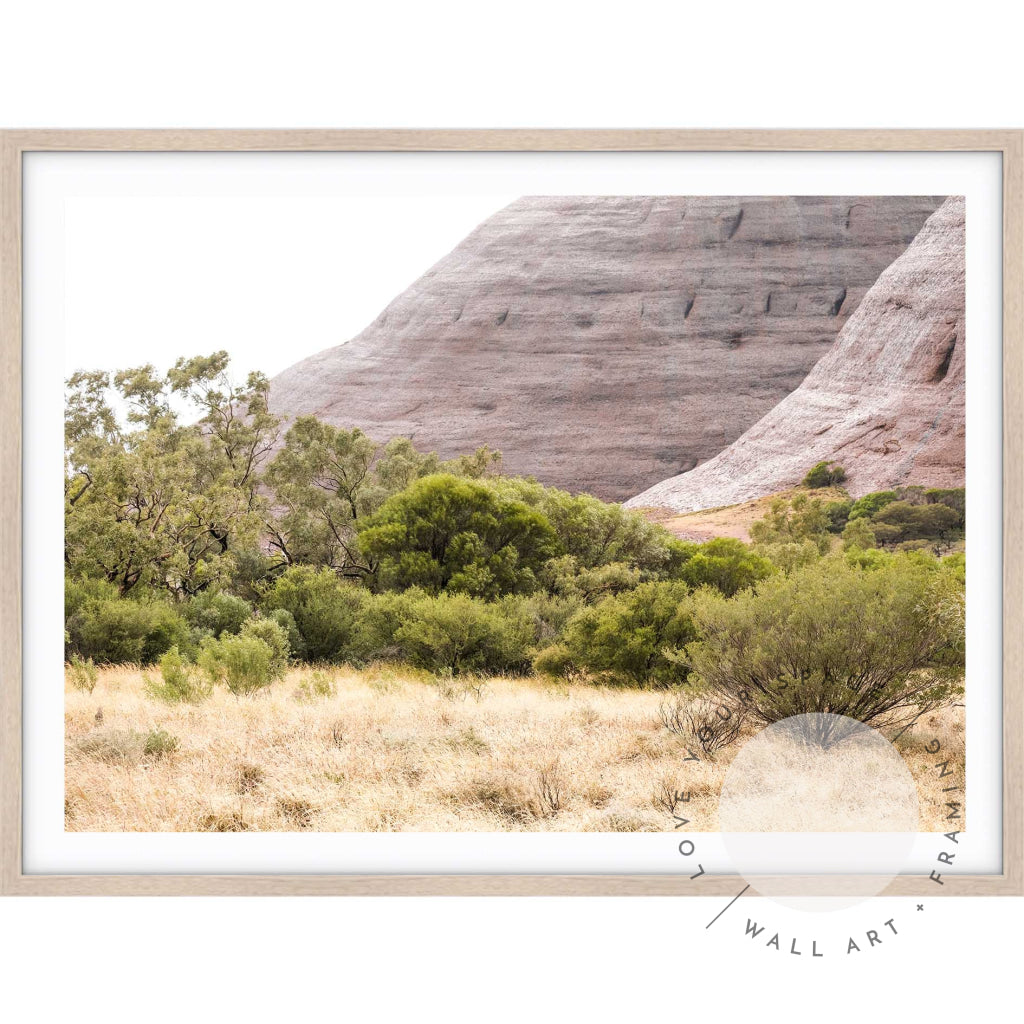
x,y
901,521
880,645
634,638
858,534
726,564
796,521
151,501
867,506
449,534
326,480
597,533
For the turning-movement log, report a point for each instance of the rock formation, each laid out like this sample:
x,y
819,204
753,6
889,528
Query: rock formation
x,y
604,343
886,402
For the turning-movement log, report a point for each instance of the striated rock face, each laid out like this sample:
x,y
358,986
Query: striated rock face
x,y
604,343
886,402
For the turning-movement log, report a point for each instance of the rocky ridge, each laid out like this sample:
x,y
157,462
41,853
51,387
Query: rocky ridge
x,y
606,343
886,402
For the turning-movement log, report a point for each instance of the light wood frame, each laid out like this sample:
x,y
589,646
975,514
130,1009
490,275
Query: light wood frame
x,y
14,144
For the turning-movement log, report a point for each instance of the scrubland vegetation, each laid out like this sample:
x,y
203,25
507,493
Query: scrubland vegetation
x,y
360,627
387,749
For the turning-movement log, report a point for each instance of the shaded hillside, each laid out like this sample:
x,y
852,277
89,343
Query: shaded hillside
x,y
605,343
887,402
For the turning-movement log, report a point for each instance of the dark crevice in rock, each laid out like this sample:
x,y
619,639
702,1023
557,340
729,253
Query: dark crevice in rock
x,y
732,224
768,303
502,317
943,368
837,303
687,306
458,316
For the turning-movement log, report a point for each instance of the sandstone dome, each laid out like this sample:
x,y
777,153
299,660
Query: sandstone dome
x,y
606,343
886,402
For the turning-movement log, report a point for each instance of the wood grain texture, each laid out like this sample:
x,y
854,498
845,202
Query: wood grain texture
x,y
1010,143
10,514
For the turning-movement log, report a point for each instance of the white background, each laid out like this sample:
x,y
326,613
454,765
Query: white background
x,y
544,64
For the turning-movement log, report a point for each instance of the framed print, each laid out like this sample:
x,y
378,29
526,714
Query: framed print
x,y
512,512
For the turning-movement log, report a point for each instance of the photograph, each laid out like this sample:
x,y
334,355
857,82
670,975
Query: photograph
x,y
550,530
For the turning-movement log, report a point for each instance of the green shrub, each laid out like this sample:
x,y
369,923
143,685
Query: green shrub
x,y
793,522
296,643
158,743
544,614
448,534
901,521
180,682
274,636
119,631
880,645
726,564
824,474
324,609
380,618
457,633
597,533
83,673
787,556
318,685
871,503
243,662
556,662
216,612
566,577
858,534
634,638
838,515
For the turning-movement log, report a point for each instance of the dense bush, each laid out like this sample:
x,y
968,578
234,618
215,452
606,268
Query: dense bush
x,y
858,534
447,534
566,577
274,636
247,661
297,649
726,564
837,513
797,521
180,682
324,609
880,645
595,533
216,612
113,631
871,503
901,521
178,527
380,618
633,638
824,474
454,632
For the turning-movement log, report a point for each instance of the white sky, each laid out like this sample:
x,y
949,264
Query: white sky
x,y
269,278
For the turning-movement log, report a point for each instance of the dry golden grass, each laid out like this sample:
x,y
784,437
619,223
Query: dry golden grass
x,y
731,520
390,750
